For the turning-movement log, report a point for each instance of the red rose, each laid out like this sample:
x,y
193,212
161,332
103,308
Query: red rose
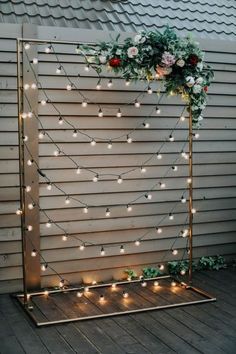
x,y
205,88
115,62
193,59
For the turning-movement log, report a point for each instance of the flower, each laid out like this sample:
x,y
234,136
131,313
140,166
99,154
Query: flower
x,y
168,59
189,81
139,38
102,59
180,63
132,52
199,80
205,88
197,88
115,62
193,59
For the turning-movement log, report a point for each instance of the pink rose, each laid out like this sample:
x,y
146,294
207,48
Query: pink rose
x,y
168,59
132,52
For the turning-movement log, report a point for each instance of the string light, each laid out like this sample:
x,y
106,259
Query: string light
x,y
30,162
67,200
84,103
137,243
149,90
29,114
182,118
193,211
28,189
43,102
75,133
95,178
56,152
100,113
174,252
119,180
19,212
31,206
24,115
129,139
85,210
143,169
27,45
108,212
161,267
196,135
173,284
119,114
158,110
184,233
48,49
86,289
122,250
102,252
109,145
113,285
189,180
58,70
99,86
183,272
159,156
61,283
146,125
86,68
159,230
137,104
41,135
93,142
171,216
148,196
125,294
79,294
174,168
44,267
102,298
35,61
33,253
26,86
110,83
82,247
143,283
162,185
60,120
127,82
48,224
64,237
171,138
183,199
34,86
129,208
69,87
25,138
49,186
156,284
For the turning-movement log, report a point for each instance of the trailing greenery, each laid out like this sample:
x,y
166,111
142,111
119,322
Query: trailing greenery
x,y
178,62
131,274
151,272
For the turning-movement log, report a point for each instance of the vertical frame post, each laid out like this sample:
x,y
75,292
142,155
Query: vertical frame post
x,y
190,205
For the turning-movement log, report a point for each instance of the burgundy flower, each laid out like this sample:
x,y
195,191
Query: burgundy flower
x,y
115,62
205,88
193,59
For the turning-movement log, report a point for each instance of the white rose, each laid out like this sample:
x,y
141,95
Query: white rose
x,y
132,52
180,63
190,81
199,80
200,65
102,59
197,88
139,38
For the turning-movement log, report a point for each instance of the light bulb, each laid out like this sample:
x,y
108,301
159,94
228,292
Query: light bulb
x,y
119,180
67,200
86,68
42,135
25,138
86,289
171,216
184,233
82,247
110,83
143,169
156,283
85,210
60,121
109,145
159,156
29,114
61,283
129,208
143,283
92,142
183,272
127,82
46,293
19,212
101,298
162,185
44,267
28,188
146,125
95,178
119,114
49,186
78,170
158,110
125,294
137,243
122,250
84,104
193,211
75,134
43,102
99,86
24,115
108,212
48,49
183,199
196,135
34,86
137,103
113,285
79,294
149,90
182,118
69,87
31,206
58,70
27,46
56,153
148,196
129,139
102,252
30,162
173,283
48,224
161,267
171,138
35,61
159,230
174,168
64,238
26,86
100,113
174,252
189,180
33,253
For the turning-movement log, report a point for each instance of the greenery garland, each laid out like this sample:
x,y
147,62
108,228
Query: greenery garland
x,y
150,56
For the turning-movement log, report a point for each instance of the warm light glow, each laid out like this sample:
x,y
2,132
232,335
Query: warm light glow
x,y
79,294
193,211
48,224
28,188
148,196
29,228
69,87
171,216
183,199
86,289
137,104
93,142
108,212
125,294
156,283
159,230
29,114
119,180
137,243
35,61
171,138
110,83
143,169
19,212
127,82
31,206
78,171
41,135
60,121
62,283
33,253
86,68
162,185
26,86
44,267
27,46
85,210
75,134
122,250
67,200
143,284
64,238
46,292
149,90
196,135
158,110
175,168
183,272
43,102
82,247
48,49
49,186
173,283
109,145
146,125
24,115
102,252
34,86
159,156
113,286
30,162
161,267
84,104
129,207
129,139
25,138
58,70
95,178
102,298
182,118
174,252
189,180
100,113
184,233
119,114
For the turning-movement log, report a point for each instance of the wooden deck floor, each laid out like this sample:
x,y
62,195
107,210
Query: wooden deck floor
x,y
205,328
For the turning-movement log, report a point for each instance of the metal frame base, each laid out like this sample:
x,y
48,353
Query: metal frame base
x,y
30,310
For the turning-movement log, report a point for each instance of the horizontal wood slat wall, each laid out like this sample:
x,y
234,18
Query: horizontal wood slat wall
x,y
214,167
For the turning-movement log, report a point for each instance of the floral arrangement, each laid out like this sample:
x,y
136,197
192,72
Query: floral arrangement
x,y
158,56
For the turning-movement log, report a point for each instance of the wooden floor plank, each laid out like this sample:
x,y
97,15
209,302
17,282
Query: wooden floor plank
x,y
10,344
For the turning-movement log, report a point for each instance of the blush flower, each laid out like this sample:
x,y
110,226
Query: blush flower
x,y
132,52
168,59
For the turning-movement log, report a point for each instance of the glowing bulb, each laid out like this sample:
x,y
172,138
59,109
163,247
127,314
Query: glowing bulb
x,y
100,113
189,180
158,110
171,138
48,49
48,224
30,162
143,169
56,152
49,186
184,233
19,212
78,170
75,134
28,188
122,250
29,114
101,298
162,185
110,83
174,168
143,283
43,102
35,61
125,294
183,199
102,252
69,87
58,70
171,216
193,211
61,283
31,206
84,104
196,135
64,238
119,114
129,208
182,118
82,247
92,142
148,196
99,86
24,115
34,86
27,46
108,212
129,139
159,230
86,289
137,104
183,272
159,156
95,178
146,125
109,145
149,90
33,253
127,82
173,283
137,243
25,138
119,180
44,267
156,283
86,68
113,285
42,135
26,86
174,252
60,121
79,294
161,267
46,292
67,200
